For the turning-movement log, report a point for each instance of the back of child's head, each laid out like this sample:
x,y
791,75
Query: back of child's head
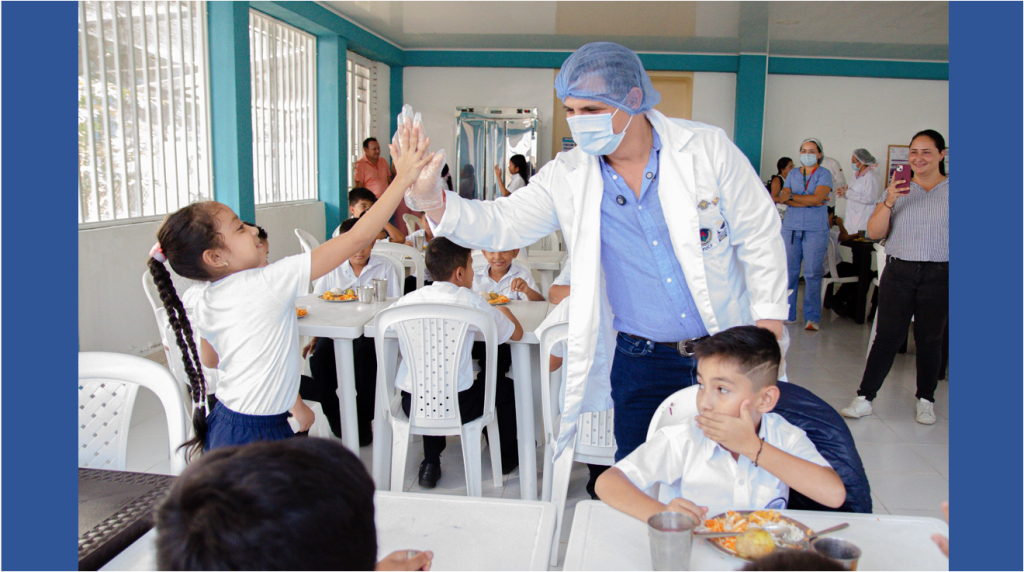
x,y
358,194
347,224
181,241
752,350
296,504
443,257
793,560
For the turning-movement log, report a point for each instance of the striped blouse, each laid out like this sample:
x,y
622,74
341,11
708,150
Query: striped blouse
x,y
919,225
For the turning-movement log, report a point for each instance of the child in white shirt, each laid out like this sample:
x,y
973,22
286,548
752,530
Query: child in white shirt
x,y
735,454
360,199
246,314
504,277
359,270
451,266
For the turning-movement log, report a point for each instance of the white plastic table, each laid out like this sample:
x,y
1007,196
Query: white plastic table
x,y
525,368
464,533
343,322
603,538
548,263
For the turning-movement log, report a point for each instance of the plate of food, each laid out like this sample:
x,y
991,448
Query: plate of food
x,y
495,299
301,311
339,295
758,533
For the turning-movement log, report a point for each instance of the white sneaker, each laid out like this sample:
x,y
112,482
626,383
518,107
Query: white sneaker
x,y
859,407
811,327
790,321
925,412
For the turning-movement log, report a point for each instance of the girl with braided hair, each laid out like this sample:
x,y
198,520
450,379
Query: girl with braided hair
x,y
245,313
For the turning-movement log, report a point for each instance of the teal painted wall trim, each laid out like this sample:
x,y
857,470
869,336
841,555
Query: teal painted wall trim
x,y
331,130
397,96
750,87
231,107
554,60
859,68
320,21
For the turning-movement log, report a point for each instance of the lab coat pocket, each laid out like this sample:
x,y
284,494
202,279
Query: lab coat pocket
x,y
714,231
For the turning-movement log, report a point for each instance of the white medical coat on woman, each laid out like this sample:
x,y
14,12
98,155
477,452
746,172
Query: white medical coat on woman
x,y
706,183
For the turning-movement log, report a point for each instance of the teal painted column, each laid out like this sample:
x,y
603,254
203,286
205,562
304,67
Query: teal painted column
x,y
397,97
750,87
332,129
231,107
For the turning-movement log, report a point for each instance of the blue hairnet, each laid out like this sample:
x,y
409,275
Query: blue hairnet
x,y
605,72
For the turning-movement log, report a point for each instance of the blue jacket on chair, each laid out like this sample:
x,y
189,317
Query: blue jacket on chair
x,y
829,433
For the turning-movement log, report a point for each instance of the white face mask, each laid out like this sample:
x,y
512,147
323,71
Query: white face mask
x,y
595,134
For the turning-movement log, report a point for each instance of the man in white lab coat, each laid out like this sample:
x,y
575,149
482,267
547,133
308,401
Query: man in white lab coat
x,y
671,234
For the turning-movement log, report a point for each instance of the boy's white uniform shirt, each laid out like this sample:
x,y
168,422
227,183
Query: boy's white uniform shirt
x,y
735,282
344,277
707,473
447,293
249,319
482,281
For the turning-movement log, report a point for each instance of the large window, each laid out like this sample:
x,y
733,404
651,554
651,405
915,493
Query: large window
x,y
361,79
283,110
143,109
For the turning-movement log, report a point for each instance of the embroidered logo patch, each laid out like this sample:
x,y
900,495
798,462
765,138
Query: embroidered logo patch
x,y
715,202
722,232
705,238
777,504
703,205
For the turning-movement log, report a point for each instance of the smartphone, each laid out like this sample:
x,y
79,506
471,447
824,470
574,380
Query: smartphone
x,y
903,174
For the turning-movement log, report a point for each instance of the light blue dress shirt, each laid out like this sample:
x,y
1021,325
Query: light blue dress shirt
x,y
646,287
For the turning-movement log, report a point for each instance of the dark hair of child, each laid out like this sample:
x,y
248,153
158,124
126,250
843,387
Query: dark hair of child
x,y
183,238
523,165
443,257
347,224
793,560
295,504
752,349
361,194
366,142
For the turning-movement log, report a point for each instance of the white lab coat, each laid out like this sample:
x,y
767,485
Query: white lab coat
x,y
739,279
838,180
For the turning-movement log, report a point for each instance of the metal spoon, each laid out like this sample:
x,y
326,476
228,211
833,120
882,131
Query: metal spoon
x,y
827,531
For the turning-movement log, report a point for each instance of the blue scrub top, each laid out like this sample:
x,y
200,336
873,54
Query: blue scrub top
x,y
807,218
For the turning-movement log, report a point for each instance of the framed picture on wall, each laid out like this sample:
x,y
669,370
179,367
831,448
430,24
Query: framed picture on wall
x,y
898,155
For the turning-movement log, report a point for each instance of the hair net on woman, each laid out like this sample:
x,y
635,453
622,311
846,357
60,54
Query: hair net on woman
x,y
606,72
816,142
863,156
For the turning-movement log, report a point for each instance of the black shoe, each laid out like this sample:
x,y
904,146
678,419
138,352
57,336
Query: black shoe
x,y
365,437
429,474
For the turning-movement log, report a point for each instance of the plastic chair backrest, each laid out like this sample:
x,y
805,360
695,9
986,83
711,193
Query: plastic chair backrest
x,y
108,384
831,253
680,407
153,295
549,338
431,338
412,222
403,251
395,261
879,259
306,241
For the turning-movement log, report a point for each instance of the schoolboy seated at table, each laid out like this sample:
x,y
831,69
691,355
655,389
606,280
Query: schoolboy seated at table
x,y
452,268
360,199
294,504
505,278
360,270
735,454
427,235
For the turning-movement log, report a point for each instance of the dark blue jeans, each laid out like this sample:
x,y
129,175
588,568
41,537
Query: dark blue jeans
x,y
643,375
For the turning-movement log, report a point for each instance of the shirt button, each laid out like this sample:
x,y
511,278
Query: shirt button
x,y
649,175
615,177
641,207
683,316
669,280
655,243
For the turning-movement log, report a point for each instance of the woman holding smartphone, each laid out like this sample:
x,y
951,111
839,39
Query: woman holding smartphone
x,y
914,220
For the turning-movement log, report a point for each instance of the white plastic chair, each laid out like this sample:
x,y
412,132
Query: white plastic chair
x,y
306,241
680,407
431,337
833,277
875,282
412,222
107,386
594,442
402,251
162,323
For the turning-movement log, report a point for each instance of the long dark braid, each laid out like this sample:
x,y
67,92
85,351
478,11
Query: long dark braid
x,y
183,238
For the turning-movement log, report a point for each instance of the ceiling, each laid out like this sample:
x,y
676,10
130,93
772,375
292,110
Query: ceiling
x,y
873,30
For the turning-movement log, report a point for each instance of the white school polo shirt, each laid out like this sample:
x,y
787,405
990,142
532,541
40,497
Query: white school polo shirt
x,y
482,281
249,319
448,293
344,277
708,474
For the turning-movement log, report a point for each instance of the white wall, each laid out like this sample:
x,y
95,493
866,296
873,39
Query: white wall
x,y
383,131
848,113
113,313
714,99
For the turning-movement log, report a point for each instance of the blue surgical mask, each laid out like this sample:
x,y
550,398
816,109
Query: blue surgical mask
x,y
808,159
855,167
594,133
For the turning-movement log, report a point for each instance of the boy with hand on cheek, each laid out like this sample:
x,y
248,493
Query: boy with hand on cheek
x,y
504,277
360,200
735,454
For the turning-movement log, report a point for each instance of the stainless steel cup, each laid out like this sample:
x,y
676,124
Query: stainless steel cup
x,y
417,241
380,289
365,294
845,553
670,535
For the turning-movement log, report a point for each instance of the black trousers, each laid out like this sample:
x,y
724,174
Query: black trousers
x,y
918,290
471,406
323,386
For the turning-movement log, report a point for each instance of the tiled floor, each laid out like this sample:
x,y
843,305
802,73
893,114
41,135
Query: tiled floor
x,y
907,463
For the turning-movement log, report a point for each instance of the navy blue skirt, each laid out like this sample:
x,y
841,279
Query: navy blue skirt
x,y
227,427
